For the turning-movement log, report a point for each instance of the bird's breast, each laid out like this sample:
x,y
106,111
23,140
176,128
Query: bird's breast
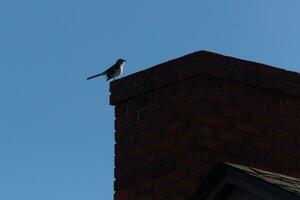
x,y
121,69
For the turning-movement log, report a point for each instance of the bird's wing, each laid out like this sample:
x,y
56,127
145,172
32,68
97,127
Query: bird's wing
x,y
112,69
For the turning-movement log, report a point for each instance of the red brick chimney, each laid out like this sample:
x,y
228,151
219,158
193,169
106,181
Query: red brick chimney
x,y
177,120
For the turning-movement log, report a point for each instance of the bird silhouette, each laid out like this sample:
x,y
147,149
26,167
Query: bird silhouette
x,y
112,72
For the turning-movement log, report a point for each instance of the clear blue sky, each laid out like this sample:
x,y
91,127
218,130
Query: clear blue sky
x,y
56,128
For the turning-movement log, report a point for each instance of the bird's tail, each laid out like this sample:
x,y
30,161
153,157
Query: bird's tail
x,y
94,76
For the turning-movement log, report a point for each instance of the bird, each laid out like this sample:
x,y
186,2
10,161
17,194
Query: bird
x,y
112,72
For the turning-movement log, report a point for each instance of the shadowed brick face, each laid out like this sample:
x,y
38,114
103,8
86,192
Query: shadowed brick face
x,y
177,120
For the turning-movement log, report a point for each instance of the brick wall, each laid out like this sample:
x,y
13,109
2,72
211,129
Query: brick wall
x,y
177,120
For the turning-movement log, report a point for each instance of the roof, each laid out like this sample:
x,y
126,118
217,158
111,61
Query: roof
x,y
269,185
288,183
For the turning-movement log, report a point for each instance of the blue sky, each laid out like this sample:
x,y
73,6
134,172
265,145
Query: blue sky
x,y
56,128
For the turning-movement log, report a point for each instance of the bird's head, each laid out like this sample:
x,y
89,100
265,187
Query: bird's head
x,y
120,61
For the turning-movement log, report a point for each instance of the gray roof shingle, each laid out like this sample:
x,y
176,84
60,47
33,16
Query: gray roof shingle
x,y
265,184
289,183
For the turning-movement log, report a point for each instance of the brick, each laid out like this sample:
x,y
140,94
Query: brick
x,y
290,101
162,157
290,125
233,112
207,106
122,194
201,131
182,137
164,192
281,135
166,167
233,136
262,143
183,160
120,110
179,149
143,197
125,120
212,144
262,155
188,110
265,120
211,95
164,93
180,197
137,151
139,103
150,135
215,121
173,128
240,150
117,96
149,111
162,144
200,169
203,155
284,160
144,188
167,117
185,184
246,127
207,132
174,176
124,171
189,84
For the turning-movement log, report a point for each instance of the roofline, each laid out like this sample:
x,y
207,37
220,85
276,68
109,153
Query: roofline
x,y
223,169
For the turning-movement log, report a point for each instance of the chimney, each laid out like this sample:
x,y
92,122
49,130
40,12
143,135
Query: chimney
x,y
177,120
